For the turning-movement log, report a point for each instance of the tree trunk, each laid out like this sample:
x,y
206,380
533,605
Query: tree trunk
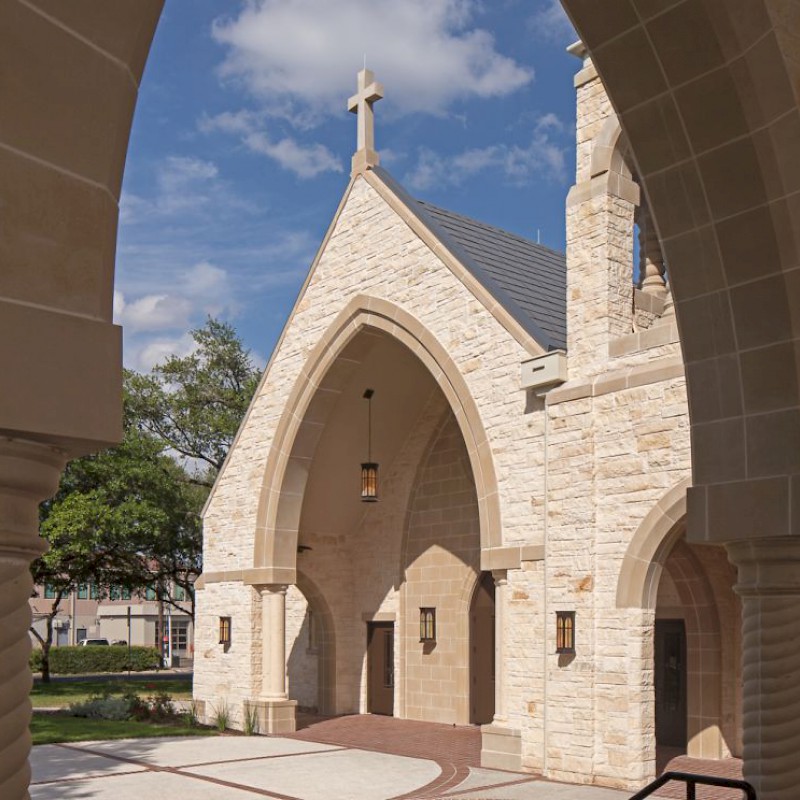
x,y
46,661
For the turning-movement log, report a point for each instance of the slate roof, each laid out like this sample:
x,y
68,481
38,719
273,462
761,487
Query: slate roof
x,y
527,279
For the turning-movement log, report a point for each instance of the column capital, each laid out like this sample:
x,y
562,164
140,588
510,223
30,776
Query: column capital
x,y
766,566
29,473
500,577
272,588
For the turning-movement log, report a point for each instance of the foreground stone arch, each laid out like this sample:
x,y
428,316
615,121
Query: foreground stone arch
x,y
286,472
707,94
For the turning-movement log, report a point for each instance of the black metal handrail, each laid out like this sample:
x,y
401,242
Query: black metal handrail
x,y
691,780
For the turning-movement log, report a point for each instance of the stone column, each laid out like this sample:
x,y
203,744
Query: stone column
x,y
276,711
29,473
273,643
501,745
500,591
769,585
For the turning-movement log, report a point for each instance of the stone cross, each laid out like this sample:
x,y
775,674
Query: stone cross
x,y
361,103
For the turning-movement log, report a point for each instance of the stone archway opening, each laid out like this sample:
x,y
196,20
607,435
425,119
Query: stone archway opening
x,y
372,564
696,654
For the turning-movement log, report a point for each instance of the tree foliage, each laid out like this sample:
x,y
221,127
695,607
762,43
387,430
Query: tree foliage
x,y
129,516
126,517
196,403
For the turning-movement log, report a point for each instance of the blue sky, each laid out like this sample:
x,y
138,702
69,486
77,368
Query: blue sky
x,y
241,144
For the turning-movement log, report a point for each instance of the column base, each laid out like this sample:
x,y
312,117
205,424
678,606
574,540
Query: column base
x,y
275,716
501,748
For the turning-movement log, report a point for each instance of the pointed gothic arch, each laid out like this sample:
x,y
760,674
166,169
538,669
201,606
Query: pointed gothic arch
x,y
297,433
637,586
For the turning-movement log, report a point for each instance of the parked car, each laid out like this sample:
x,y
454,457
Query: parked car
x,y
93,642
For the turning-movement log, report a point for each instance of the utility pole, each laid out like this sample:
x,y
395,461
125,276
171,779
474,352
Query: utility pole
x,y
160,633
169,636
72,616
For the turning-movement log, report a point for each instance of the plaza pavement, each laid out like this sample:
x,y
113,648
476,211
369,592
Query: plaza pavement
x,y
238,767
345,758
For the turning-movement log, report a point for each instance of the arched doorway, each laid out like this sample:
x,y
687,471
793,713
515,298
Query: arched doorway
x,y
691,627
696,662
481,651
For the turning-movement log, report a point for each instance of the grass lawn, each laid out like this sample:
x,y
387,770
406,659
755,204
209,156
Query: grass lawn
x,y
53,728
59,694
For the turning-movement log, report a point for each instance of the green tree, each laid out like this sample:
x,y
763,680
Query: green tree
x,y
195,404
130,516
124,517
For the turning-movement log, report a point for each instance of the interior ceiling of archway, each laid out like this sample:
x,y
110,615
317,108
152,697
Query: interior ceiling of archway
x,y
403,387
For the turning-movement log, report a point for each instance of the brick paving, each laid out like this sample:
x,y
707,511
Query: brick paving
x,y
455,748
724,768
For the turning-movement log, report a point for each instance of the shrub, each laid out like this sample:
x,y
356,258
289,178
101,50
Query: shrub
x,y
156,708
222,716
250,722
36,659
191,716
102,707
76,660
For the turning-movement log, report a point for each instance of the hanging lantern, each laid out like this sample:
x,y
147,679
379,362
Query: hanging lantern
x,y
369,469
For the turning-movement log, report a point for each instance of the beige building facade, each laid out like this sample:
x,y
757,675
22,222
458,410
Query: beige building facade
x,y
115,614
517,485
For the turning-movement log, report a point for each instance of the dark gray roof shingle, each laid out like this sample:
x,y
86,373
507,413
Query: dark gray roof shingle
x,y
527,279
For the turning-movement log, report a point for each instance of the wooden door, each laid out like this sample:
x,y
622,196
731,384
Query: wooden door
x,y
380,668
670,682
481,647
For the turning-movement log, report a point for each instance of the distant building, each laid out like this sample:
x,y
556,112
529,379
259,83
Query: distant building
x,y
91,612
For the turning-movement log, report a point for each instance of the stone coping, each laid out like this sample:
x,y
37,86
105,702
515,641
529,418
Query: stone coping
x,y
656,336
614,381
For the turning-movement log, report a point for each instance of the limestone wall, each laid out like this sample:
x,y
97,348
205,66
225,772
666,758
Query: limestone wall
x,y
227,678
371,251
441,557
611,459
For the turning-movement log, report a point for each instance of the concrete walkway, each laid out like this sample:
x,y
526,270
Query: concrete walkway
x,y
343,758
238,767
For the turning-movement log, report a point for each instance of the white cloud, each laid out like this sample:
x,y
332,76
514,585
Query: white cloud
x,y
183,186
299,57
153,312
550,23
155,351
304,161
542,156
159,319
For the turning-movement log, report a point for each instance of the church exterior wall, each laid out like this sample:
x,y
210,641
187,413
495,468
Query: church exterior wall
x,y
236,677
371,251
611,458
579,470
